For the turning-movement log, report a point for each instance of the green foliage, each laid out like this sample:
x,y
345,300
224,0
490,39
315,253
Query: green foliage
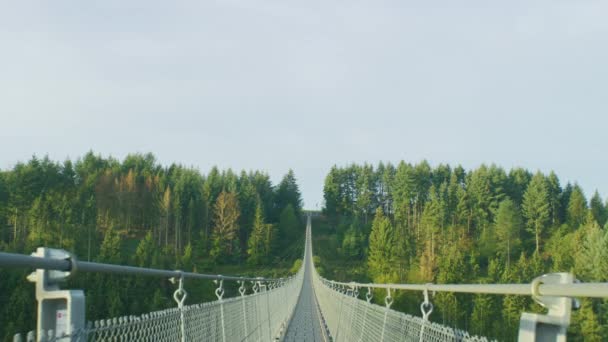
x,y
591,262
289,225
110,247
288,194
136,212
598,210
262,239
225,228
577,207
352,244
508,224
536,208
448,225
481,317
585,325
381,249
296,266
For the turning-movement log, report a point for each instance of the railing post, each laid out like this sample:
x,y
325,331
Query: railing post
x,y
554,325
61,311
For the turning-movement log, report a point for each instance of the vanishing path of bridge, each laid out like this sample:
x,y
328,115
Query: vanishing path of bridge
x,y
305,324
303,307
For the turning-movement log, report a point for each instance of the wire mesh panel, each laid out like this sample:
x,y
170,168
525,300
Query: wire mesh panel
x,y
351,319
261,316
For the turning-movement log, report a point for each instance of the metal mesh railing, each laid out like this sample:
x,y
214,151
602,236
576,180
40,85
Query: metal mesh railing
x,y
349,318
261,316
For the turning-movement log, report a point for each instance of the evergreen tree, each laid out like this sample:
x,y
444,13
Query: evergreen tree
x,y
110,247
352,244
481,318
288,193
331,193
518,181
226,225
365,191
536,208
598,210
289,224
145,251
508,223
432,224
255,250
577,207
554,192
591,262
381,256
271,240
585,323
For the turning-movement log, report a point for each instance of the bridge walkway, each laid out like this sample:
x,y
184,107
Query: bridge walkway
x,y
305,324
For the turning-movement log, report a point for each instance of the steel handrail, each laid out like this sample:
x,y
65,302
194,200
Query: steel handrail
x,y
14,260
595,290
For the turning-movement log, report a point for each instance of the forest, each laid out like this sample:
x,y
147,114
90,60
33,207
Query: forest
x,y
138,212
413,223
406,223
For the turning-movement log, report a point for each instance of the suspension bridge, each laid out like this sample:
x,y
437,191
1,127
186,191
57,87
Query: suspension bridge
x,y
303,307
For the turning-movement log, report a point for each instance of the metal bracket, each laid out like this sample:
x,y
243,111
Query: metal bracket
x,y
554,325
60,311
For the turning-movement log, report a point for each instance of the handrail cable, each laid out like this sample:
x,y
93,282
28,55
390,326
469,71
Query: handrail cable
x,y
71,264
595,290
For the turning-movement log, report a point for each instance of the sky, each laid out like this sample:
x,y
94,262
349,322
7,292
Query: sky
x,y
274,85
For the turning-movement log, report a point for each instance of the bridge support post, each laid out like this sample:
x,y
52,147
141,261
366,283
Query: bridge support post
x,y
59,311
554,325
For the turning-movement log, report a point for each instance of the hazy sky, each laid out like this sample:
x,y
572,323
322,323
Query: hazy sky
x,y
274,85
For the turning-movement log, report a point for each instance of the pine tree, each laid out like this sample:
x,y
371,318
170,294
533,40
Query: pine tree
x,y
517,183
110,247
255,245
598,209
144,252
512,307
585,322
591,261
365,191
166,210
431,225
381,256
226,225
352,244
536,207
289,225
331,193
271,239
508,223
481,318
288,193
577,207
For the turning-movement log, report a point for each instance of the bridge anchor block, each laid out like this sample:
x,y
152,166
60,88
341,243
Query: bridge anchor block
x,y
553,325
60,312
